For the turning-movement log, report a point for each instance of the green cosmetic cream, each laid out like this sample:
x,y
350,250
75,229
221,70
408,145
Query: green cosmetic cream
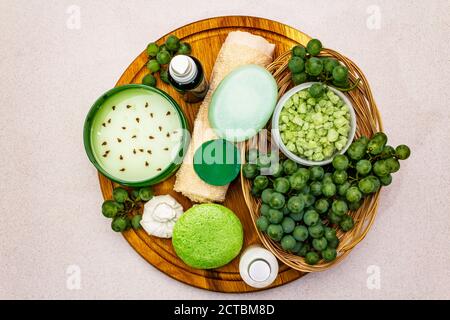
x,y
136,135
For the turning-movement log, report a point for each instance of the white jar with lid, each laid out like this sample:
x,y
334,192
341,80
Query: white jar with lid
x,y
258,267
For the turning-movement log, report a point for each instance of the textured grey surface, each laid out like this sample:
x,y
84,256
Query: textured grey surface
x,y
50,200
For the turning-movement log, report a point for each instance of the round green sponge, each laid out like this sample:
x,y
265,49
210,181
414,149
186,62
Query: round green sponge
x,y
208,236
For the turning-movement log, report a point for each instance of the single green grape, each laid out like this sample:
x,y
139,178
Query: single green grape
x,y
321,206
339,207
262,223
333,243
276,170
265,195
296,204
340,177
185,48
149,80
264,161
329,254
353,195
119,224
327,177
363,167
380,167
312,258
281,185
110,208
275,232
172,43
299,78
377,143
289,166
328,189
299,51
163,57
388,151
314,66
136,221
402,152
342,189
316,188
342,84
146,193
277,200
309,199
330,64
255,192
392,164
316,90
250,170
304,173
300,233
311,217
260,182
356,151
316,230
314,47
376,183
366,185
316,173
153,66
296,65
297,182
319,243
288,224
329,233
264,210
340,74
386,180
340,162
288,242
152,49
120,195
275,216
346,223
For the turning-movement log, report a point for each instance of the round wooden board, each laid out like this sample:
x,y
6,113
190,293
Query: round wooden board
x,y
206,38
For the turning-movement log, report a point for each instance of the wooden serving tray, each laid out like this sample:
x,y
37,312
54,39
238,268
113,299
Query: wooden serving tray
x,y
206,38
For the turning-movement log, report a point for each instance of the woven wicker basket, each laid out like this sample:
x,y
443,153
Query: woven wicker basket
x,y
368,122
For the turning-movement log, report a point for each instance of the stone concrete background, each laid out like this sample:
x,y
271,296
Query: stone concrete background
x,y
52,70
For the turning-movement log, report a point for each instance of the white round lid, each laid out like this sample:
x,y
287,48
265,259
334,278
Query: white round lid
x,y
182,68
258,267
259,270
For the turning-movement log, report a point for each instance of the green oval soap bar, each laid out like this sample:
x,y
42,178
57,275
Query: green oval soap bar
x,y
208,236
243,103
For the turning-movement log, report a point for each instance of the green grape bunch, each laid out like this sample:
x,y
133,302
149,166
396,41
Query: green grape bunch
x,y
302,207
125,206
306,65
160,57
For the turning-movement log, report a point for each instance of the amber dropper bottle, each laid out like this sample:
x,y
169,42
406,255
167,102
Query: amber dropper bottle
x,y
187,77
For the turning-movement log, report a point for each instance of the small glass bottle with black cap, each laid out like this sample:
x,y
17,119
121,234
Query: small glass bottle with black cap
x,y
186,75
